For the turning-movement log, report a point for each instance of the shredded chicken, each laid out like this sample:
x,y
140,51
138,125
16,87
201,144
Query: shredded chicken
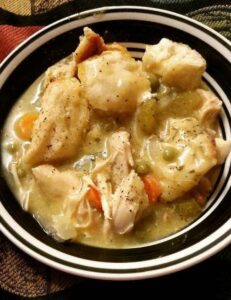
x,y
128,203
60,127
14,172
104,186
122,191
123,162
83,215
23,194
109,173
211,106
223,149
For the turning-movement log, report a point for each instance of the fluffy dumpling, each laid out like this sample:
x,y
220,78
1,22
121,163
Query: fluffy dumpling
x,y
56,185
177,64
68,190
193,154
107,80
61,124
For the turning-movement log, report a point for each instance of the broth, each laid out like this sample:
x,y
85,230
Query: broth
x,y
156,149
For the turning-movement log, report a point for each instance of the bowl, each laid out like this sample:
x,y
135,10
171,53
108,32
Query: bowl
x,y
134,27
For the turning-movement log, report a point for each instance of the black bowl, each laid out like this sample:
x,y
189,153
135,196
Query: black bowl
x,y
135,27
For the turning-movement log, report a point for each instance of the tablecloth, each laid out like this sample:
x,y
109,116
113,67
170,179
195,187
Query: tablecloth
x,y
23,276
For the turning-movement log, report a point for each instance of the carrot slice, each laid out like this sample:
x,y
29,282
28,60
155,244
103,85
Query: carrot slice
x,y
200,199
152,187
94,198
24,126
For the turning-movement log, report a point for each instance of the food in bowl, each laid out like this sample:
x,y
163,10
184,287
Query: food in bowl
x,y
110,151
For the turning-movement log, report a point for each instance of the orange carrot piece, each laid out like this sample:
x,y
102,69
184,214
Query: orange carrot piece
x,y
24,126
200,199
94,198
152,187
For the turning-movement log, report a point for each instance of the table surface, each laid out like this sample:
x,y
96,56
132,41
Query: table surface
x,y
211,278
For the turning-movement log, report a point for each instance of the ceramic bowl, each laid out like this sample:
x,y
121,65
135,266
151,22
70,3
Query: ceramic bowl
x,y
134,27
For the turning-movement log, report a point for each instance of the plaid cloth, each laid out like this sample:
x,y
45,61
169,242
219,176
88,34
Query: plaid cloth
x,y
22,275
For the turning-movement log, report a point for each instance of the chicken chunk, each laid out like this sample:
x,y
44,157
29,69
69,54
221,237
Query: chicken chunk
x,y
66,68
90,44
61,124
223,149
123,161
128,203
177,64
109,173
104,186
122,191
211,106
107,80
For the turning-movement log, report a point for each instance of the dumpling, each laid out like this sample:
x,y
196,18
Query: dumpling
x,y
177,64
61,124
107,80
194,154
54,184
69,190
